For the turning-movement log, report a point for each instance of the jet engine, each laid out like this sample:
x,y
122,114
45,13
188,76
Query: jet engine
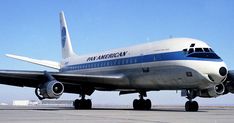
x,y
230,87
230,82
213,91
52,90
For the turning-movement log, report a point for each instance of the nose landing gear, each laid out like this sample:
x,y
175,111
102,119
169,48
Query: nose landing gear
x,y
191,105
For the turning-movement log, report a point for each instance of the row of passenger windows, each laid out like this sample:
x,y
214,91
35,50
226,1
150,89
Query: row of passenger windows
x,y
105,63
124,61
192,50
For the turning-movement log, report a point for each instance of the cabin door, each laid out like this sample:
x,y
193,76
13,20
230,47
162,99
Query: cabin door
x,y
145,63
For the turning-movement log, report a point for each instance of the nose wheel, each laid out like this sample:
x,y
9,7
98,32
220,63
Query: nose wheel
x,y
190,105
142,104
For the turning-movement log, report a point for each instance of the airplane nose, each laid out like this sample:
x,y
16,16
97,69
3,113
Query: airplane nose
x,y
223,71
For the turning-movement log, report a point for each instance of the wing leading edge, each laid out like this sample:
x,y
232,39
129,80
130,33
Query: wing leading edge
x,y
71,81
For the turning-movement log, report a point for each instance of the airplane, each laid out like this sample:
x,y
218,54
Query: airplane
x,y
185,64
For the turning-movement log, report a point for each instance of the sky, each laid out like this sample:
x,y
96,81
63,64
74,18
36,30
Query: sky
x,y
31,28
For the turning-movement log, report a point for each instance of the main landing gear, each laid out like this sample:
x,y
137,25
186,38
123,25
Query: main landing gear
x,y
190,105
142,104
82,103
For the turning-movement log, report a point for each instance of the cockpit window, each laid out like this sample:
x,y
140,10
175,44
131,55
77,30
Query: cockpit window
x,y
206,49
204,55
201,53
185,50
192,45
198,50
191,50
211,50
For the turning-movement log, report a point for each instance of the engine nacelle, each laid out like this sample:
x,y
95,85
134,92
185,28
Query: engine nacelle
x,y
230,82
51,89
230,87
212,92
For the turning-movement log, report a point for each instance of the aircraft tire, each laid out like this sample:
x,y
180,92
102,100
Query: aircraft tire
x,y
135,104
191,106
82,104
88,104
148,104
76,104
141,104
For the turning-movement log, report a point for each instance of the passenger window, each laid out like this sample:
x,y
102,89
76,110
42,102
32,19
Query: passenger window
x,y
110,63
191,50
100,64
114,62
118,62
122,61
126,61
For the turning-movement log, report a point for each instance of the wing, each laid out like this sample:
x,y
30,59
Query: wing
x,y
71,81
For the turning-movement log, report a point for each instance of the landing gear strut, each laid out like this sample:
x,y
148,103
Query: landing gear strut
x,y
142,104
82,103
191,105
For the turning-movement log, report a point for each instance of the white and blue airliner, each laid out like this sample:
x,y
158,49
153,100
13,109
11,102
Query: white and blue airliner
x,y
184,64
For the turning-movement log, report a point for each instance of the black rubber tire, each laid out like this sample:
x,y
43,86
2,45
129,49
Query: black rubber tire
x,y
88,104
136,104
141,104
191,106
188,106
148,104
82,104
195,106
76,104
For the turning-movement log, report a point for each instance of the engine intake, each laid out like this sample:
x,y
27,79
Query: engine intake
x,y
230,87
51,90
212,92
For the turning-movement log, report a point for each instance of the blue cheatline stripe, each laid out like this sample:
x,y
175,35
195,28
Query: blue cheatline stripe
x,y
137,59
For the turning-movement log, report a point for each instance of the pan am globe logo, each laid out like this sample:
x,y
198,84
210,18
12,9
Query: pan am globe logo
x,y
63,35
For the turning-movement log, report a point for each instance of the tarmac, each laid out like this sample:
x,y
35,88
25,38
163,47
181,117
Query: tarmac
x,y
114,114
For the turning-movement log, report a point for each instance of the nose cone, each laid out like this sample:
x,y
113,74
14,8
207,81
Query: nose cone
x,y
215,72
223,71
